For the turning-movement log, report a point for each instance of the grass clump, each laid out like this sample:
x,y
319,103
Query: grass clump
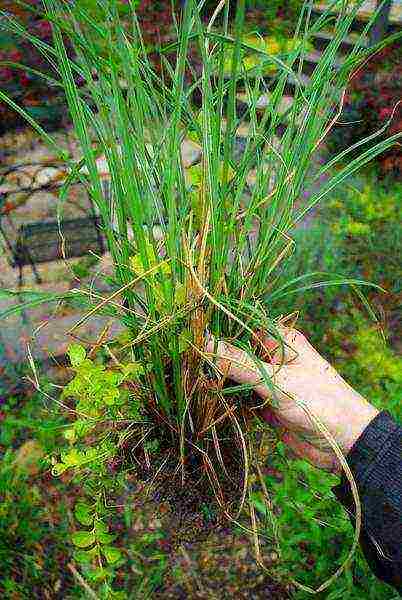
x,y
192,256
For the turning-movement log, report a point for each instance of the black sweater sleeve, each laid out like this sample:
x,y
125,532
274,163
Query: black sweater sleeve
x,y
376,463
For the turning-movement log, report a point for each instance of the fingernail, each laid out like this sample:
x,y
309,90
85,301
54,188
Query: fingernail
x,y
269,417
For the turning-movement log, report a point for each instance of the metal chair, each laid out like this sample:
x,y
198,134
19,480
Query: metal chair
x,y
41,242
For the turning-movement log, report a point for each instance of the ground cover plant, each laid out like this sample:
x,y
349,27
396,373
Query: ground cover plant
x,y
30,520
196,252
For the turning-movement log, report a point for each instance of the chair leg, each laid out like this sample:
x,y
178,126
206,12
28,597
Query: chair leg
x,y
38,278
20,276
24,317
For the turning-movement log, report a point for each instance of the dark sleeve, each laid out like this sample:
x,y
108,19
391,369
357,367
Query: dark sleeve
x,y
376,463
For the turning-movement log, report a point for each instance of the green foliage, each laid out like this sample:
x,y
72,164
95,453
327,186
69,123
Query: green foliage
x,y
288,13
152,446
157,274
100,392
96,554
83,539
190,258
274,44
376,370
150,562
360,222
77,354
101,397
354,233
82,268
365,216
97,12
84,513
29,548
316,533
308,517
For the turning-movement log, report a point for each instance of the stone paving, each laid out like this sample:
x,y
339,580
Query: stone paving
x,y
30,176
29,180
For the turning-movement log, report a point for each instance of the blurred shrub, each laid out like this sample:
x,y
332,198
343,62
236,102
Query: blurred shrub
x,y
367,362
372,100
355,234
364,221
33,519
44,102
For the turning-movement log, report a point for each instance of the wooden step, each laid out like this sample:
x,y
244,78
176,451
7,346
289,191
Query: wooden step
x,y
269,81
322,39
291,83
263,101
364,14
311,60
242,104
366,10
285,104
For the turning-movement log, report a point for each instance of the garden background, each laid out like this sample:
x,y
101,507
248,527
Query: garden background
x,y
356,232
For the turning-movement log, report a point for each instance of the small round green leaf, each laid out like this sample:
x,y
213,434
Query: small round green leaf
x,y
112,555
105,538
69,434
111,396
85,557
101,527
83,539
72,458
83,513
132,370
77,354
97,574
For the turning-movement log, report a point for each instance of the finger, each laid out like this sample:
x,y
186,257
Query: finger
x,y
239,366
269,416
323,460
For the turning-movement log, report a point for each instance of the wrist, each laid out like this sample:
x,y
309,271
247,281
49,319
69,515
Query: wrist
x,y
357,423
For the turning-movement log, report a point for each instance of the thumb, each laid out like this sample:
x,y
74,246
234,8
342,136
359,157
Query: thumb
x,y
238,365
323,460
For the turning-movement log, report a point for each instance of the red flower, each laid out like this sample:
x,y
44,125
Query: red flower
x,y
24,79
14,56
385,113
44,29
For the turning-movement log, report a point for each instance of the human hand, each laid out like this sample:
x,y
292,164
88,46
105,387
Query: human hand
x,y
302,375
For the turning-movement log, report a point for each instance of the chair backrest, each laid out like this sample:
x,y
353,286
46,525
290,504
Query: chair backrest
x,y
41,242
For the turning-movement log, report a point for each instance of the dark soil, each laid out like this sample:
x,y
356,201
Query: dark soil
x,y
208,557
